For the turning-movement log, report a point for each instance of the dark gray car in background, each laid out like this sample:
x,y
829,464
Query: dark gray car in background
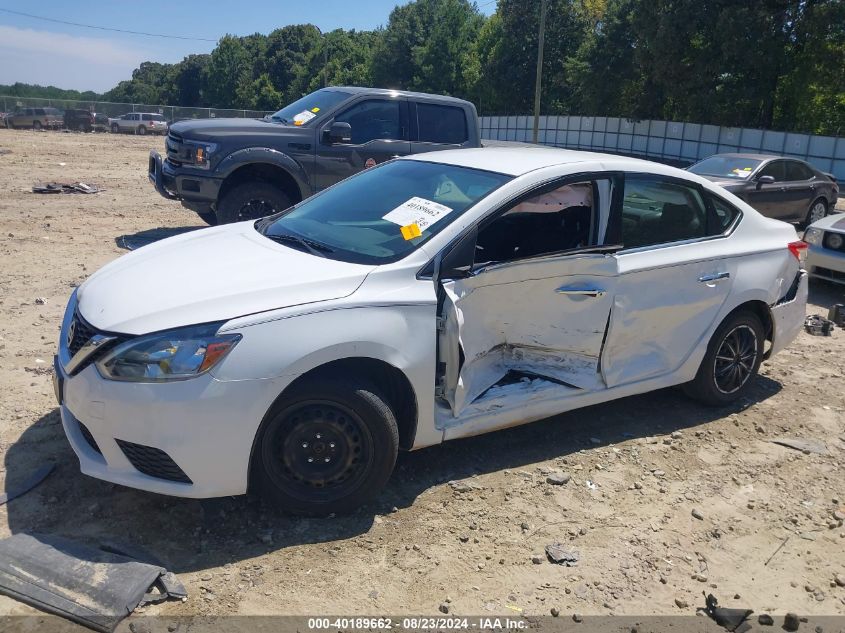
x,y
783,188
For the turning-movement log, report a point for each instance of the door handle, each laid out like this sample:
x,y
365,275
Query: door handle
x,y
580,292
713,278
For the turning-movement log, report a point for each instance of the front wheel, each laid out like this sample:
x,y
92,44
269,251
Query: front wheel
x,y
208,217
251,201
733,357
818,210
327,447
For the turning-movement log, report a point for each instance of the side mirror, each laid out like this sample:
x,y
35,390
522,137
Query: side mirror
x,y
338,132
765,180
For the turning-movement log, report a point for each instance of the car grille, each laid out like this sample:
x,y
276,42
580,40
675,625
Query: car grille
x,y
88,437
830,274
82,333
153,462
826,242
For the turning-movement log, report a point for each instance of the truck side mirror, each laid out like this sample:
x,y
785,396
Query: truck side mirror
x,y
338,132
765,180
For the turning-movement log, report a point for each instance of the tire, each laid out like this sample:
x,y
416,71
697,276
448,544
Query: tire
x,y
115,128
817,211
82,127
723,377
36,125
209,218
141,130
250,201
326,448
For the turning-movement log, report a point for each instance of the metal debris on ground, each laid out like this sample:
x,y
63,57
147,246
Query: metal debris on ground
x,y
559,555
36,478
65,187
837,314
805,446
818,326
92,587
733,620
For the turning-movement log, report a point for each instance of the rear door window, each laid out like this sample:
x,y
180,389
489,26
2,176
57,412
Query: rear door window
x,y
775,169
656,211
441,124
797,171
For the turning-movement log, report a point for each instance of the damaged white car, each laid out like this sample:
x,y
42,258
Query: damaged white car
x,y
430,298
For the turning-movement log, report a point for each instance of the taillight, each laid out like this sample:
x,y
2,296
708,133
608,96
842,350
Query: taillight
x,y
799,250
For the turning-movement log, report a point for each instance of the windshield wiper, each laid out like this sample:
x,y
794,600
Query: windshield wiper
x,y
315,248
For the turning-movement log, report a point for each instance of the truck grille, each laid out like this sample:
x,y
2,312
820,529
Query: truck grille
x,y
175,149
153,462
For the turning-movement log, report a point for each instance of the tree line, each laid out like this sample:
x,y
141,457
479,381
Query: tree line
x,y
777,64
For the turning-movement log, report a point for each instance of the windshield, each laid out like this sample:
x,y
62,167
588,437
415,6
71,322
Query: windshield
x,y
301,111
726,167
384,213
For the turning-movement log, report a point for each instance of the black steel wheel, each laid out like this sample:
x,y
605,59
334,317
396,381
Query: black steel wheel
x,y
327,447
732,359
251,201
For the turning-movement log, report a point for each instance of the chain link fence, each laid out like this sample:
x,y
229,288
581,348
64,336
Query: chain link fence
x,y
673,142
171,113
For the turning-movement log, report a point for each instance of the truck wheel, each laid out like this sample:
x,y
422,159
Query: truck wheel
x,y
250,201
209,218
142,130
733,357
115,128
327,447
36,125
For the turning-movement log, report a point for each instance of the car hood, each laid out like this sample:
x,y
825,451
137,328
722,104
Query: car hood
x,y
209,275
834,223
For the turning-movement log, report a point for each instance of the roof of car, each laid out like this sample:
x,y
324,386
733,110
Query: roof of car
x,y
394,93
520,159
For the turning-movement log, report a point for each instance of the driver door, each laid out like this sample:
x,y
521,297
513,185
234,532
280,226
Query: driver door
x,y
535,301
379,133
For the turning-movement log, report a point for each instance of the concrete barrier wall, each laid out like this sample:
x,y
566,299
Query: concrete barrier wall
x,y
667,141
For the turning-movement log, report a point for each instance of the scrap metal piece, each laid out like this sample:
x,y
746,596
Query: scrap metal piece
x,y
818,325
562,556
94,588
837,314
803,445
733,620
37,477
65,187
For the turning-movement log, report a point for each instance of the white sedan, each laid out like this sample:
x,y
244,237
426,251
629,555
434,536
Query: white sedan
x,y
430,298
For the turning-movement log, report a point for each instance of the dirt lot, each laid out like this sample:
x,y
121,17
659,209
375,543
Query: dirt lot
x,y
654,459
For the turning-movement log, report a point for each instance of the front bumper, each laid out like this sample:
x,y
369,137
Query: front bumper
x,y
139,434
824,263
194,187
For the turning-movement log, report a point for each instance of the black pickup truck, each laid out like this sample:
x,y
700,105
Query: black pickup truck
x,y
228,170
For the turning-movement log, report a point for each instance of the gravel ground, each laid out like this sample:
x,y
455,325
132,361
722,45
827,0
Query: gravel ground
x,y
665,499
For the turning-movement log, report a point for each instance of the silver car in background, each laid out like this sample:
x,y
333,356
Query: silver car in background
x,y
139,123
826,254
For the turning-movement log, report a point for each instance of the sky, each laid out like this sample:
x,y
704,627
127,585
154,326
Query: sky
x,y
73,57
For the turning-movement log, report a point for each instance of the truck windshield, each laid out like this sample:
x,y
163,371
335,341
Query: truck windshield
x,y
384,213
301,111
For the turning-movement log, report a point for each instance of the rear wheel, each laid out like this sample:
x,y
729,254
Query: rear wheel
x,y
327,447
142,130
82,127
36,125
250,201
115,128
818,210
733,357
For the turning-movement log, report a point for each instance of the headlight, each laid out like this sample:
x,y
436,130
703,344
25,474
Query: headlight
x,y
173,355
834,240
813,236
202,153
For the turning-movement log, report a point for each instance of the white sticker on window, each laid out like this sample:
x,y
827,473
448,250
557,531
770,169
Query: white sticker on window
x,y
418,211
303,117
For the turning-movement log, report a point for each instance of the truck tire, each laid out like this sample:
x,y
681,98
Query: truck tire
x,y
250,201
326,447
